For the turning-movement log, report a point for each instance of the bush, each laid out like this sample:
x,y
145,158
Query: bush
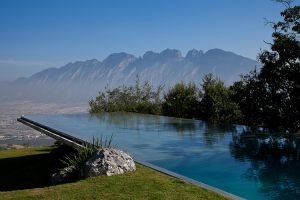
x,y
212,102
182,100
216,101
138,98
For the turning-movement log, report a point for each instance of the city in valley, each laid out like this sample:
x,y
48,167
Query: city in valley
x,y
16,135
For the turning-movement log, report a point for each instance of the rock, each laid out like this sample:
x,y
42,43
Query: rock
x,y
64,175
107,162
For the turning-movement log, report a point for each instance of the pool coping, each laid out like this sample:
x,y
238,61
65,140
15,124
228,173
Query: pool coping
x,y
189,180
55,134
78,143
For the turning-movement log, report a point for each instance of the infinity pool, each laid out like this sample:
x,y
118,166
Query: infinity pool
x,y
232,158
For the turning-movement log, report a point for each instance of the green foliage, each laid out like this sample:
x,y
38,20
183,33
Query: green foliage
x,y
247,94
216,104
138,98
271,98
212,102
182,100
82,155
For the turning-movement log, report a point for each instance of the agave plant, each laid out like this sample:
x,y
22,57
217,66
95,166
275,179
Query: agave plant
x,y
82,155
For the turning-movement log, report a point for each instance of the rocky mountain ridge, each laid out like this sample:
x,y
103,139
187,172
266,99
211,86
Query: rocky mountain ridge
x,y
84,78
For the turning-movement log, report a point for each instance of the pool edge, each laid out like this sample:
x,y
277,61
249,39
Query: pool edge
x,y
189,180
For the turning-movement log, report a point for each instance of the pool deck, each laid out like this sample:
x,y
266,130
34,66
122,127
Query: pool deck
x,y
78,144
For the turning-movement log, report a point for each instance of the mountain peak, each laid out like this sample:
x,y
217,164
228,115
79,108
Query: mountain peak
x,y
171,53
150,55
116,58
194,53
217,52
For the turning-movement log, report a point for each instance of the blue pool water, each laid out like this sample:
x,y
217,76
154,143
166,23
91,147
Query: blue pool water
x,y
232,158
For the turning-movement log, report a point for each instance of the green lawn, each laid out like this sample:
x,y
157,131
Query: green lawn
x,y
29,169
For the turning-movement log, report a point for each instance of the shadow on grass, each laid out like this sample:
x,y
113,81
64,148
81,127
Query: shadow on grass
x,y
30,171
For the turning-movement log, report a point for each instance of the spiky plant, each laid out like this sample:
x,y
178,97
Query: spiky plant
x,y
77,159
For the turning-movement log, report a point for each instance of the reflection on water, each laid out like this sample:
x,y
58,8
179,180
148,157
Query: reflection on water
x,y
274,162
214,133
237,159
135,121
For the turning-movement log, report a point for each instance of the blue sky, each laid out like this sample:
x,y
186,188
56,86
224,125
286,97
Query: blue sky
x,y
37,34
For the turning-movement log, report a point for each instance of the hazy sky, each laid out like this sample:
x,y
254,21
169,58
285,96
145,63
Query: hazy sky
x,y
37,34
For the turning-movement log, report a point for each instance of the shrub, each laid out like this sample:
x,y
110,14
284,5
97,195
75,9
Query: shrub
x,y
182,100
216,101
138,98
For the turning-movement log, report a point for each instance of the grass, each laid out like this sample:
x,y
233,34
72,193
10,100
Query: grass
x,y
31,168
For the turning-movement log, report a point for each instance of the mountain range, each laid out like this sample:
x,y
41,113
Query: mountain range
x,y
81,80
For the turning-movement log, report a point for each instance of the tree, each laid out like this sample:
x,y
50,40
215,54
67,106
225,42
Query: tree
x,y
181,100
248,95
216,104
280,73
274,92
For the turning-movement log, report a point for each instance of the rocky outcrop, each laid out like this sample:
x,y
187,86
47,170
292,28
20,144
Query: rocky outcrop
x,y
107,162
